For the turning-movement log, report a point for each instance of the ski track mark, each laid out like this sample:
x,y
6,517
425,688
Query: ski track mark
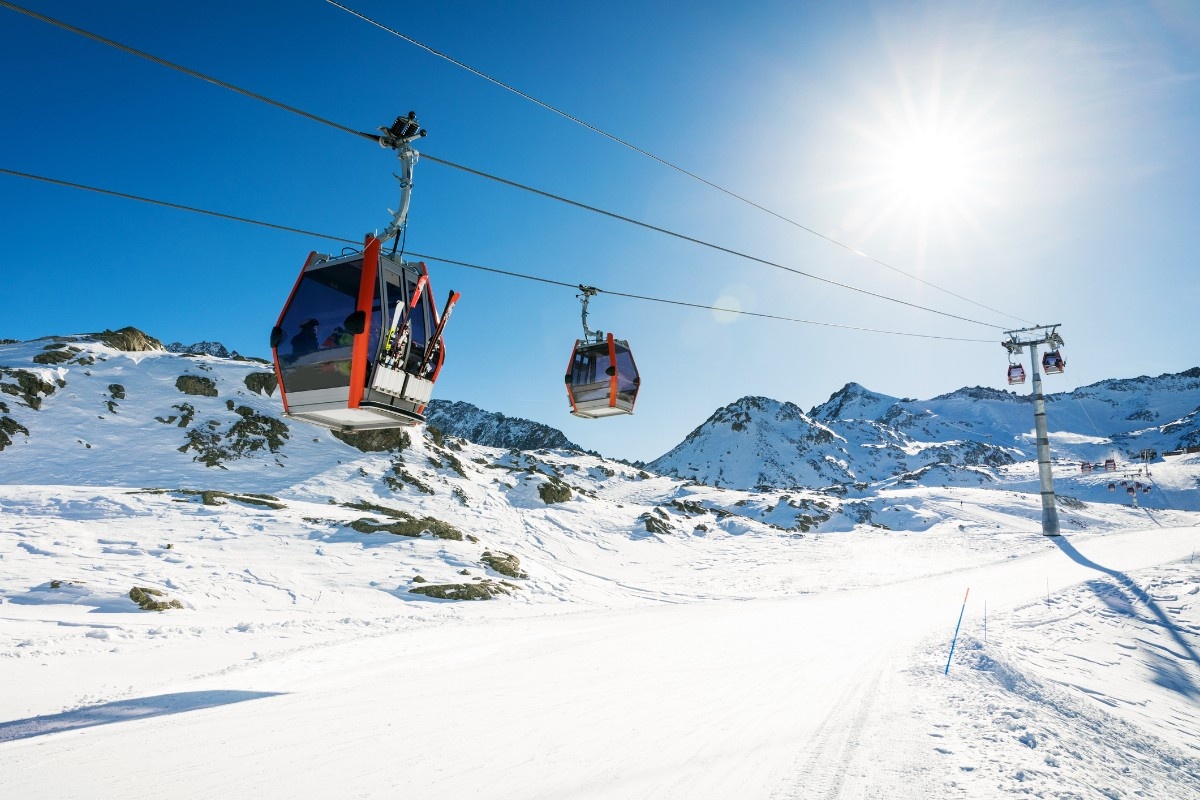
x,y
822,773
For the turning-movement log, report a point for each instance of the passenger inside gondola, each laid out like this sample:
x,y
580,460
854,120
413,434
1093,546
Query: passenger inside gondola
x,y
320,354
339,338
305,341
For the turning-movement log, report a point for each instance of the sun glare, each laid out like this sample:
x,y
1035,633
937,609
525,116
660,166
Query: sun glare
x,y
929,154
930,167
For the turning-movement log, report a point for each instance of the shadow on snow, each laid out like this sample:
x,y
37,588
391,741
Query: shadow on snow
x,y
1168,672
124,711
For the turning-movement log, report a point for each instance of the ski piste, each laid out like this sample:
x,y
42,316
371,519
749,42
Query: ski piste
x,y
392,352
434,341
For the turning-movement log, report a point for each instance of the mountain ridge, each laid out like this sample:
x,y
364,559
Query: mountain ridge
x,y
858,436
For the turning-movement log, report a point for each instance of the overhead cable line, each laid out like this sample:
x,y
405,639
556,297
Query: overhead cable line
x,y
176,206
163,62
663,161
376,138
467,265
703,243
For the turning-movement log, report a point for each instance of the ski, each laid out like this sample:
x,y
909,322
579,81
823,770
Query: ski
x,y
392,351
435,340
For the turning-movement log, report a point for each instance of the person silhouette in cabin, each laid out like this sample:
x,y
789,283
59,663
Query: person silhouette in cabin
x,y
305,341
339,338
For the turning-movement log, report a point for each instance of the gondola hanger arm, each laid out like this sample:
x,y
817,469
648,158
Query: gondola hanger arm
x,y
399,137
586,293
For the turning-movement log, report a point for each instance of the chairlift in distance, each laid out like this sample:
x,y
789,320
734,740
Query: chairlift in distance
x,y
602,378
1112,487
358,345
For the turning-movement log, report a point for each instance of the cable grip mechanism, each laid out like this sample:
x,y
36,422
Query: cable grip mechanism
x,y
399,137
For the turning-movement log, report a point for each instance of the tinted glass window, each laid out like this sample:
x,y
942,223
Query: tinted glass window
x,y
316,349
589,377
627,375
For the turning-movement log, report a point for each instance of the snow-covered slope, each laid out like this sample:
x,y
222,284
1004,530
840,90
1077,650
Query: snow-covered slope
x,y
293,660
644,635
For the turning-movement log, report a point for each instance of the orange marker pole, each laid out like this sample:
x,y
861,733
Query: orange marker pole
x,y
956,627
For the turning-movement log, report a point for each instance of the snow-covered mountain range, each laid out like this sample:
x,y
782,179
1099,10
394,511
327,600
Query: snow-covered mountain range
x,y
860,436
91,407
491,428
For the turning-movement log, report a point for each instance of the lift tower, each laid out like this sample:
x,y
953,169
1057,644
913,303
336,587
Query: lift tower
x,y
1015,344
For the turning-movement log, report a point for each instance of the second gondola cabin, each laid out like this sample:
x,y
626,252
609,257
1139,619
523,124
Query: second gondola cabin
x,y
352,347
1053,363
602,378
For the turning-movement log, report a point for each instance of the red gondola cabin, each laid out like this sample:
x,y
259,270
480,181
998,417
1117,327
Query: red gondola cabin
x,y
1053,363
1016,374
602,378
351,347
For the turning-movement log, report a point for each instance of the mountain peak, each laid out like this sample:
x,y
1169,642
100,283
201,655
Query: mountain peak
x,y
204,348
758,441
491,428
853,401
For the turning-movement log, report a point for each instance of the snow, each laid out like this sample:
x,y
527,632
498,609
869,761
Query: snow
x,y
669,640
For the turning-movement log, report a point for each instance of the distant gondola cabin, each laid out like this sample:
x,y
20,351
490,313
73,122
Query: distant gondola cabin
x,y
1053,363
602,378
340,364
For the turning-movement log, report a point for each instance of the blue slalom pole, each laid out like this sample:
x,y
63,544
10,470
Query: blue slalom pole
x,y
956,627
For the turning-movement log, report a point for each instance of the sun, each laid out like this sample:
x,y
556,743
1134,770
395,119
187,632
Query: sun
x,y
927,159
929,167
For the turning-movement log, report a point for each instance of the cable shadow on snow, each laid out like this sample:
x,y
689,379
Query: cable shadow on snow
x,y
124,711
1167,673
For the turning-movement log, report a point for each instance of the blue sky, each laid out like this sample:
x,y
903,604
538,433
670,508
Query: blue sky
x,y
1037,158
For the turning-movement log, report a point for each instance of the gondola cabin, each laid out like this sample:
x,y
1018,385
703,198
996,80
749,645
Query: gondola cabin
x,y
602,378
1110,465
1085,467
1053,363
1016,374
351,347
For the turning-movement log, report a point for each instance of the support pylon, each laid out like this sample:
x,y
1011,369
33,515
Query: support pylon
x,y
1032,337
